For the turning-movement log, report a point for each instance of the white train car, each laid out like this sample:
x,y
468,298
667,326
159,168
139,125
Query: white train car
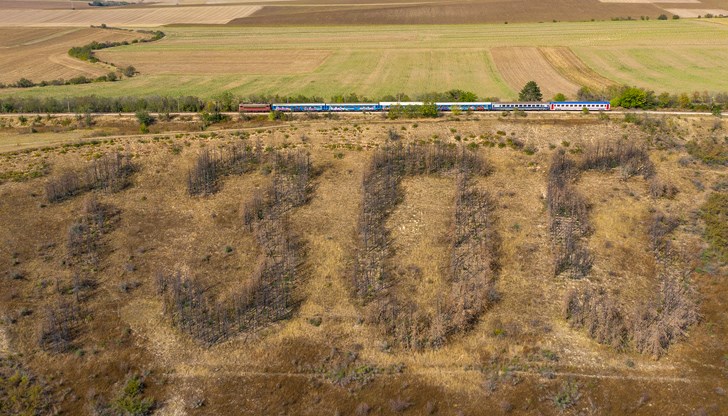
x,y
579,105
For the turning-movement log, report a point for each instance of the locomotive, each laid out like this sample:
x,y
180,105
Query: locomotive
x,y
461,106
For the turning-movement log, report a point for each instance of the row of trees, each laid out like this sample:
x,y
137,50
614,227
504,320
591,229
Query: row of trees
x,y
635,97
63,319
266,297
474,249
84,235
112,172
654,324
237,159
621,96
569,211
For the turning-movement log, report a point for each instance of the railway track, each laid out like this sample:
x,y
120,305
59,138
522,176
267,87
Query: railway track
x,y
234,113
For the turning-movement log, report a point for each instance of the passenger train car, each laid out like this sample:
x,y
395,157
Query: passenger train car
x,y
464,106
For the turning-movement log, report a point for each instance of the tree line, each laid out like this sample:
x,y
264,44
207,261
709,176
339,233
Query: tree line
x,y
475,244
111,172
654,324
266,296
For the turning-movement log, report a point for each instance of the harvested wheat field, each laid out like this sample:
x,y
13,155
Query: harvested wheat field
x,y
41,54
518,65
227,271
137,17
566,63
285,62
375,61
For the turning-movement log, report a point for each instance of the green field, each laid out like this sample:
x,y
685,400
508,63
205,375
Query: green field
x,y
676,56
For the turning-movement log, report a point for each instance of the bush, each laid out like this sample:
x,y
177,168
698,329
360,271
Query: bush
x,y
144,118
715,215
130,400
129,71
632,97
568,395
24,83
709,150
662,17
213,117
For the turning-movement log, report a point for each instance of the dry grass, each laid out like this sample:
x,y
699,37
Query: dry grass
x,y
160,226
420,226
202,62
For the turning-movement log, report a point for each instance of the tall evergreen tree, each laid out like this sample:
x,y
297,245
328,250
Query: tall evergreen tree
x,y
530,92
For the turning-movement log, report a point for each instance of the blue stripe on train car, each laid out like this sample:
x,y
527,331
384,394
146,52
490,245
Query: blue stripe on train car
x,y
463,106
354,107
300,107
521,106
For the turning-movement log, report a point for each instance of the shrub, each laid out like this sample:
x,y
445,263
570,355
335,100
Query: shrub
x,y
709,150
24,83
662,189
715,215
59,327
143,117
130,400
567,396
632,97
129,71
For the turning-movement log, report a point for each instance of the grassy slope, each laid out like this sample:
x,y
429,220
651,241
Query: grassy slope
x,y
378,60
161,228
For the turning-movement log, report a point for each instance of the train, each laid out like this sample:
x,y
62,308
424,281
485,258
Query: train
x,y
454,106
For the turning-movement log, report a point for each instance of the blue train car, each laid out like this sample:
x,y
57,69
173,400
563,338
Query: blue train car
x,y
354,107
579,105
534,106
467,106
389,104
300,107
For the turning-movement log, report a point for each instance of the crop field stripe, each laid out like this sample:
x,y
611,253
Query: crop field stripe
x,y
681,68
380,60
518,65
565,62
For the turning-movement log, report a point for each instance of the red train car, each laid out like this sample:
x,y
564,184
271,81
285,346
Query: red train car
x,y
254,108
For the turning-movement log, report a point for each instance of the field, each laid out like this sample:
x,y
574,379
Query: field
x,y
41,54
138,17
518,65
520,357
491,60
444,12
